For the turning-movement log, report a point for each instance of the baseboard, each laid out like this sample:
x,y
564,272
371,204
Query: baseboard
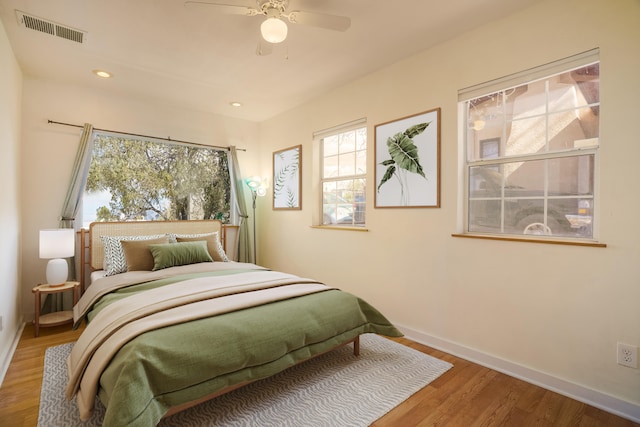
x,y
6,361
578,392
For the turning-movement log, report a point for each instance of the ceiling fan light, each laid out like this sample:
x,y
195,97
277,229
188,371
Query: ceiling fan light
x,y
274,30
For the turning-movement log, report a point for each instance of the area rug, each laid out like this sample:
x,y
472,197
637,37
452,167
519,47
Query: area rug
x,y
335,389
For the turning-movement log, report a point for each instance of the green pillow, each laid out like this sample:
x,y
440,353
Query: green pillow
x,y
167,255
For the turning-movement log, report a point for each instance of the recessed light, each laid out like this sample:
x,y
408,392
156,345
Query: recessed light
x,y
235,104
103,74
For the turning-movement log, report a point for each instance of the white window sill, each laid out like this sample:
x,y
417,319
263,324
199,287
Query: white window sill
x,y
340,227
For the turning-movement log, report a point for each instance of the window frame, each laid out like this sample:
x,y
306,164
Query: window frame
x,y
467,162
232,214
319,140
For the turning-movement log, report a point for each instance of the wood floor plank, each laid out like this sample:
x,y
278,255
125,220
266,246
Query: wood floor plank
x,y
466,395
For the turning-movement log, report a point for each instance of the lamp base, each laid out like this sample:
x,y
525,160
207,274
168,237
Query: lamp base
x,y
57,272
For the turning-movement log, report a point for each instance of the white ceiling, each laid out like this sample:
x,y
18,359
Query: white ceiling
x,y
196,59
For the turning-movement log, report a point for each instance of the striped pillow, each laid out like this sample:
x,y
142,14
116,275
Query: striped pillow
x,y
114,260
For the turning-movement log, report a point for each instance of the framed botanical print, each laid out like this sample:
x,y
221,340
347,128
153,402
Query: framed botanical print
x,y
407,161
287,178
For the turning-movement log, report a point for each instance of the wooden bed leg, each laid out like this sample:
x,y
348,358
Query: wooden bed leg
x,y
356,346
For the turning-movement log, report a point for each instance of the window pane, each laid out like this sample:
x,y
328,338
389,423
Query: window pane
x,y
361,139
571,176
564,219
336,208
485,216
347,142
521,204
359,199
330,167
524,179
549,190
581,223
576,88
485,122
344,178
330,145
526,101
523,215
361,162
136,179
526,136
347,164
485,182
490,148
590,123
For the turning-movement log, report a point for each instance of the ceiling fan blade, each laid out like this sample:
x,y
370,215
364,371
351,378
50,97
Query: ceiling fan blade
x,y
226,9
321,20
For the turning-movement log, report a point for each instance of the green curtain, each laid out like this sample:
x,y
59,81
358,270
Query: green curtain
x,y
244,244
80,172
71,205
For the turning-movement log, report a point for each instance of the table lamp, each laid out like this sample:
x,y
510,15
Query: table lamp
x,y
56,244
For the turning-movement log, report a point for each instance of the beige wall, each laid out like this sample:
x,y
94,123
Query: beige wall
x,y
553,310
48,150
534,308
10,92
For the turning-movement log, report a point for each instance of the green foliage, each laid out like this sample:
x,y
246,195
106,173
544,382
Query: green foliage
x,y
288,167
103,214
404,153
291,198
171,181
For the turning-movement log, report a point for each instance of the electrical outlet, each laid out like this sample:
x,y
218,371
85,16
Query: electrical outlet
x,y
627,355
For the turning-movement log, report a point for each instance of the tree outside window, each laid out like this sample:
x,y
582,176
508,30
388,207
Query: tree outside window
x,y
131,179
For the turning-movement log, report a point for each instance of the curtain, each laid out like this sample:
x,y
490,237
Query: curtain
x,y
80,172
244,245
71,205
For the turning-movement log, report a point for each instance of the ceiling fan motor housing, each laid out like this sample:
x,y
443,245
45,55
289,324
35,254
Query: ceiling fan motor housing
x,y
273,7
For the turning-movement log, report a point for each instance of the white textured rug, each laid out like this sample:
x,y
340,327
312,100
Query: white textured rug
x,y
335,389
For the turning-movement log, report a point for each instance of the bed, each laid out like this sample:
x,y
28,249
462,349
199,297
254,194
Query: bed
x,y
180,323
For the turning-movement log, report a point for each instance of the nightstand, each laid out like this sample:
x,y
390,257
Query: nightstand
x,y
58,317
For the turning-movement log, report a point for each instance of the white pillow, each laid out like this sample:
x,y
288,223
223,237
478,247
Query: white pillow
x,y
114,259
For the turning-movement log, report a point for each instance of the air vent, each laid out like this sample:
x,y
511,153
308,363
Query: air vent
x,y
49,27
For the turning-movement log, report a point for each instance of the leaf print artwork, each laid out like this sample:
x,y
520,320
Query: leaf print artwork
x,y
404,159
286,178
407,161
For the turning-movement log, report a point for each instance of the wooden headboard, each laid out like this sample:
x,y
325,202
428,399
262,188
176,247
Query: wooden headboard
x,y
95,256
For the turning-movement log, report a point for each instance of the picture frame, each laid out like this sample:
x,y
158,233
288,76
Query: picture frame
x,y
287,178
407,161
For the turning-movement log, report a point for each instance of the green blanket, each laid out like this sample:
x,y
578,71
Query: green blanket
x,y
178,364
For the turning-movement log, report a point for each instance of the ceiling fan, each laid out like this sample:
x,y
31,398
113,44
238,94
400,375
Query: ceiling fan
x,y
274,28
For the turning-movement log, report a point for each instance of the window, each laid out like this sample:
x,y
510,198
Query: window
x,y
131,179
531,155
343,175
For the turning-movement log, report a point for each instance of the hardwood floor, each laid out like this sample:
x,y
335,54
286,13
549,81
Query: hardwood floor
x,y
466,395
20,391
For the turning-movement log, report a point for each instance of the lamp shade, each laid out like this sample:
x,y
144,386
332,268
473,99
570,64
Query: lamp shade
x,y
274,30
253,182
57,243
257,185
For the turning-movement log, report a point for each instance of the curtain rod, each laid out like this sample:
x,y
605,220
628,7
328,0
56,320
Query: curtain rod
x,y
147,136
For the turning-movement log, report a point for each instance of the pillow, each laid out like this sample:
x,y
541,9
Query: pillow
x,y
167,255
137,253
114,260
213,243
